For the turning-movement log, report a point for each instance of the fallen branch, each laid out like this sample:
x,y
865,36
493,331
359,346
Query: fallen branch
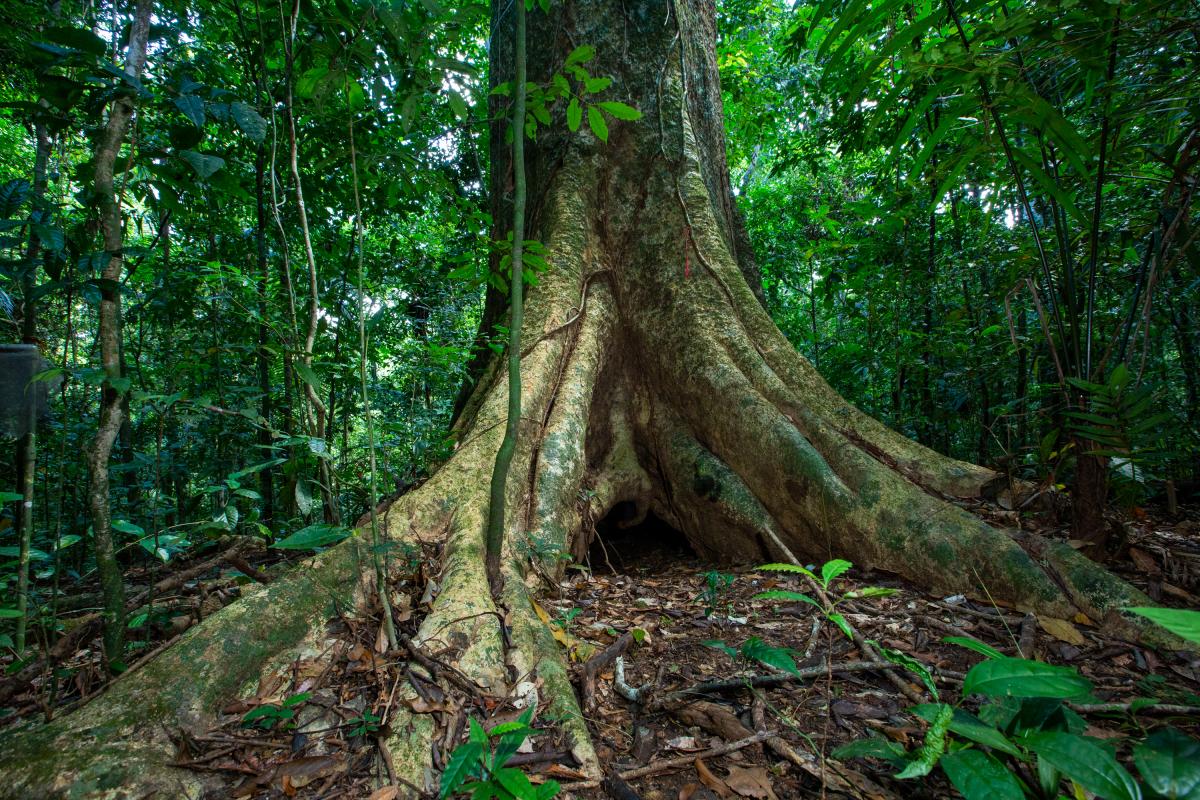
x,y
598,662
673,763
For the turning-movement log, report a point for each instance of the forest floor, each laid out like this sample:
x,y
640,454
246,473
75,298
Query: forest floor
x,y
315,729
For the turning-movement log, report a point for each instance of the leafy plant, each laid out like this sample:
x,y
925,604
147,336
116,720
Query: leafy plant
x,y
715,592
269,715
1025,740
830,572
477,766
365,724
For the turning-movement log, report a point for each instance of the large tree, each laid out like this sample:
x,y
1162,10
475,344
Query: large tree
x,y
653,377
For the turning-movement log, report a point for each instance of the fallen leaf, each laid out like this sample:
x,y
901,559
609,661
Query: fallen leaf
x,y
385,793
710,780
566,773
299,772
1083,619
1061,629
683,743
1144,561
750,782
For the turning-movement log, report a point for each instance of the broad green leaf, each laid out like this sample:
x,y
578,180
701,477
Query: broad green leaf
x,y
832,569
250,121
10,497
514,781
593,85
620,111
1170,764
574,114
124,526
979,776
1019,677
777,657
1089,764
10,613
308,376
581,55
1181,622
597,124
459,767
313,536
192,108
77,39
204,165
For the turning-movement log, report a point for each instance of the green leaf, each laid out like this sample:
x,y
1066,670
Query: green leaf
x,y
77,39
10,613
832,569
581,55
780,594
970,727
909,663
1170,764
125,526
514,781
192,108
979,776
311,537
1184,624
843,625
777,657
1019,677
933,747
250,121
793,568
574,114
546,790
872,747
593,85
205,166
974,644
459,766
1091,765
477,733
597,124
308,376
620,110
11,497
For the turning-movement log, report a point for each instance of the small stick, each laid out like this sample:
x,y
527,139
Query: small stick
x,y
599,662
674,763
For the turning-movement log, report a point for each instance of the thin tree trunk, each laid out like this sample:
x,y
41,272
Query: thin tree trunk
x,y
109,336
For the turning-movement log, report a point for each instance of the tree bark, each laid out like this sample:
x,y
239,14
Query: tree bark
x,y
109,336
644,382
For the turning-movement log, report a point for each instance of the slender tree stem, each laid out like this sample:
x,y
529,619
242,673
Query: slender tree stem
x,y
109,337
495,528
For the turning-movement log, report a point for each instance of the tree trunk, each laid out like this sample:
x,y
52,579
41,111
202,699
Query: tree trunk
x,y
643,384
109,336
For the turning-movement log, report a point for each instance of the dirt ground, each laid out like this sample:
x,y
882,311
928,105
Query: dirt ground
x,y
314,729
